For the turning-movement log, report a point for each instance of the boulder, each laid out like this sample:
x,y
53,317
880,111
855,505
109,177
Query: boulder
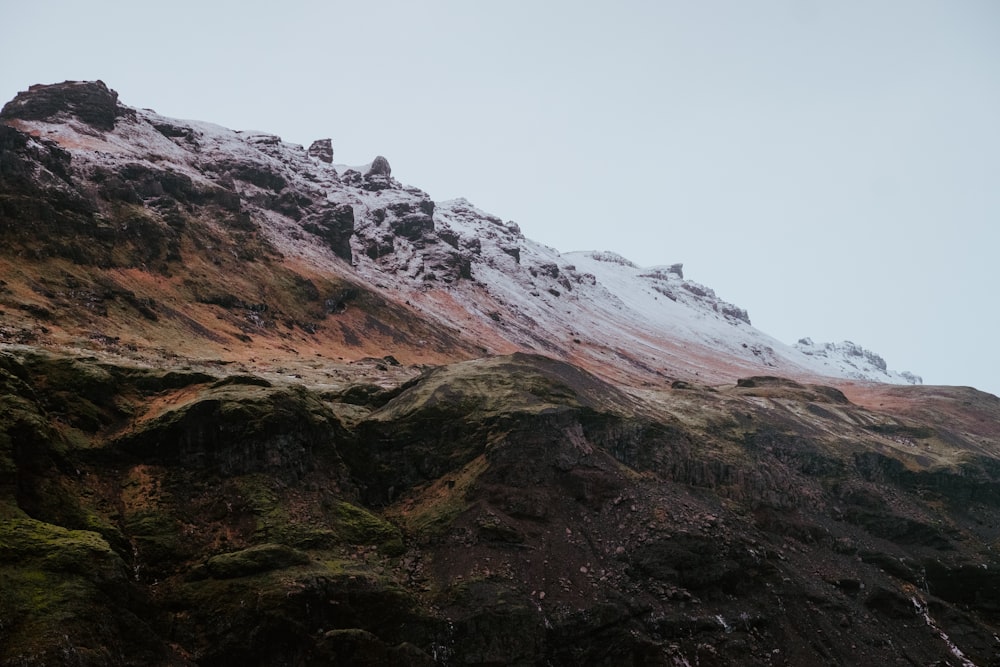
x,y
378,176
380,167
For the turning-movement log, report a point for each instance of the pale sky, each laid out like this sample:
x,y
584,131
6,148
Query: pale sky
x,y
832,167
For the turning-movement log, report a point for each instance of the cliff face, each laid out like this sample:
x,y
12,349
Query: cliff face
x,y
256,410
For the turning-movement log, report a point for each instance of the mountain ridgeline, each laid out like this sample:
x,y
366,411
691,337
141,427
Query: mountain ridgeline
x,y
260,408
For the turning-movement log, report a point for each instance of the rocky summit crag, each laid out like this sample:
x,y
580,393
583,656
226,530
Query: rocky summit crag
x,y
260,408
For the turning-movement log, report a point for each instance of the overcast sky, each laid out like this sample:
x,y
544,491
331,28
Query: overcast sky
x,y
833,167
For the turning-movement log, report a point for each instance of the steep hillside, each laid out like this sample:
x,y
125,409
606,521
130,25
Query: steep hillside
x,y
148,233
256,408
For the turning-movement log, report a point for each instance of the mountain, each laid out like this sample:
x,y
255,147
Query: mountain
x,y
262,408
189,218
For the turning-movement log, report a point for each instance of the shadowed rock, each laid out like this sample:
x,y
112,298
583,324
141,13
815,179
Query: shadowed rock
x,y
380,167
89,101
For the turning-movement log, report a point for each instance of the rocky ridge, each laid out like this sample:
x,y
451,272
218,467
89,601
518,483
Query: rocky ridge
x,y
255,198
257,408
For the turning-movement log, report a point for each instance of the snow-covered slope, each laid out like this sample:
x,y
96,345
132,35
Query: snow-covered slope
x,y
596,308
449,262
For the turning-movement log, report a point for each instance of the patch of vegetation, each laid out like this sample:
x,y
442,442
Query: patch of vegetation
x,y
358,526
434,510
259,558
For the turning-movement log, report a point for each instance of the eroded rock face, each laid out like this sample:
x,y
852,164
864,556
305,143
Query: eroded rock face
x,y
322,150
334,223
379,176
91,102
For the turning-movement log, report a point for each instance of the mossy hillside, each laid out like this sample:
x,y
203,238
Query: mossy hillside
x,y
255,559
57,548
322,522
493,386
277,517
79,396
152,380
25,438
52,582
158,540
428,514
25,431
48,619
34,455
244,619
356,525
446,418
239,428
77,392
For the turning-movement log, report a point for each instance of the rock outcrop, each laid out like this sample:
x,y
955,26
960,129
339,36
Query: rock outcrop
x,y
91,102
322,150
862,362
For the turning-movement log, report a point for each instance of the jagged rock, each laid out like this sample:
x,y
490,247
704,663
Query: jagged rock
x,y
89,101
334,223
852,355
379,176
408,219
378,247
19,152
447,264
353,178
262,175
322,150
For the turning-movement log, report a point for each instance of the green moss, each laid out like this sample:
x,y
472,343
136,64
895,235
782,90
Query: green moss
x,y
318,527
274,523
440,504
260,558
52,582
55,548
53,618
157,536
358,526
492,386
